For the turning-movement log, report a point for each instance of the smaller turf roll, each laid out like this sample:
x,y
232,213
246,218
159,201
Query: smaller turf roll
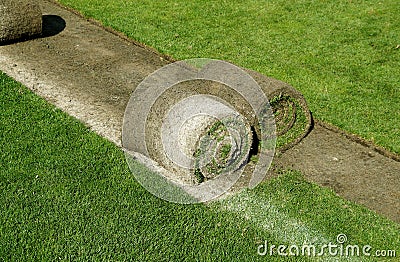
x,y
19,20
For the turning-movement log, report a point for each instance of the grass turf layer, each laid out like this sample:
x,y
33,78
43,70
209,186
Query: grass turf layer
x,y
344,56
67,194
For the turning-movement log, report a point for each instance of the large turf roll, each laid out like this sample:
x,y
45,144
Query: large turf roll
x,y
19,19
205,119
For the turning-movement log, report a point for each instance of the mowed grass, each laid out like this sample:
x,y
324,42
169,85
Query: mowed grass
x,y
67,194
344,56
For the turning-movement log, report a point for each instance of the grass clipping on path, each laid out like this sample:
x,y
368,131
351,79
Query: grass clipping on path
x,y
343,56
66,193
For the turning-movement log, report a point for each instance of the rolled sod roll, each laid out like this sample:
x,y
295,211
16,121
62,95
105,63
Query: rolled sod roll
x,y
211,125
293,122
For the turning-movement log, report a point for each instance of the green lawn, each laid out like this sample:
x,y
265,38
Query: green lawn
x,y
343,55
67,194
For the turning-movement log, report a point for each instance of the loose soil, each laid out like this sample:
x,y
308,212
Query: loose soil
x,y
90,72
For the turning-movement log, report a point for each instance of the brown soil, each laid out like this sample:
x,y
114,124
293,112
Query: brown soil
x,y
90,72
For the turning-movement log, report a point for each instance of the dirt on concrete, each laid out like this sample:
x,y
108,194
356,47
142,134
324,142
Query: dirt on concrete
x,y
90,72
352,170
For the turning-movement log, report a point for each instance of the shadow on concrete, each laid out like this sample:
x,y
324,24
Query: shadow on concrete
x,y
52,25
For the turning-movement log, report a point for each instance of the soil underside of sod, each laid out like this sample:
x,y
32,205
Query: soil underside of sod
x,y
90,72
